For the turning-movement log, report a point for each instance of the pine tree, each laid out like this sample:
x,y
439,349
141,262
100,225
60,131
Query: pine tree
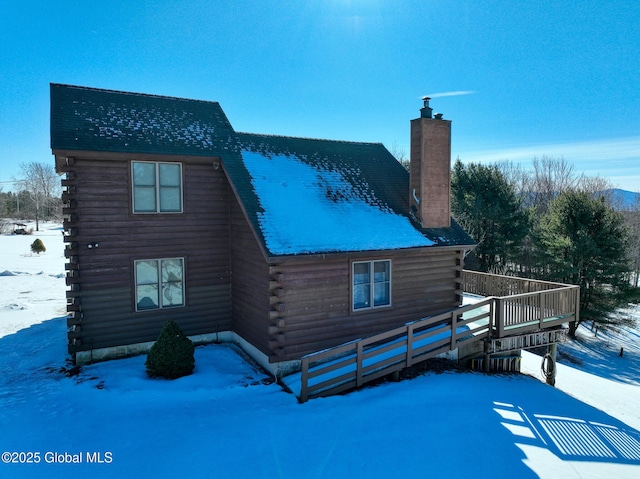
x,y
38,246
172,355
488,208
583,241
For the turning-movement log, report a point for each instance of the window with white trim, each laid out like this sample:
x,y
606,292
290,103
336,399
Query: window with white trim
x,y
371,282
157,187
159,283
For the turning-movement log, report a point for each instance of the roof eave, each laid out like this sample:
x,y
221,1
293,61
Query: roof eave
x,y
274,258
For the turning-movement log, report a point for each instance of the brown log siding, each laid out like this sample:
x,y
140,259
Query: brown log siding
x,y
101,214
315,298
250,283
287,308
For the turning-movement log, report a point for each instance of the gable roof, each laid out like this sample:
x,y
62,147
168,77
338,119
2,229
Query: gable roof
x,y
105,120
320,196
307,195
301,195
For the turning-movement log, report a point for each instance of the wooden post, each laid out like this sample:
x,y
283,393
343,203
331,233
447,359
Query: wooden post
x,y
409,358
454,330
487,355
499,317
359,360
304,380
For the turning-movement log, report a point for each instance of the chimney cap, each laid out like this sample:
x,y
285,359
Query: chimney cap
x,y
425,111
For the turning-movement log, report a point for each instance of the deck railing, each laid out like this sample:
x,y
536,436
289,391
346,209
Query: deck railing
x,y
524,304
353,364
487,284
514,306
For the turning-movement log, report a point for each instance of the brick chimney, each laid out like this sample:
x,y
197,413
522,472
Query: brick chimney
x,y
430,169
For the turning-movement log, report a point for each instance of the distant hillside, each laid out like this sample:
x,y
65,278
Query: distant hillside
x,y
620,199
623,199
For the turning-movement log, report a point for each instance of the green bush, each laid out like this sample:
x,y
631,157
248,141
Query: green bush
x,y
172,355
38,246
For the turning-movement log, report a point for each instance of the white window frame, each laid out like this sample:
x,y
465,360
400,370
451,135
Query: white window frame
x,y
159,283
157,188
371,285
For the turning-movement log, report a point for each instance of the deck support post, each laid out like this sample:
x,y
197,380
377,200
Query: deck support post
x,y
487,355
550,370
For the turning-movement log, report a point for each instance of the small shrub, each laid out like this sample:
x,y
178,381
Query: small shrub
x,y
38,246
172,355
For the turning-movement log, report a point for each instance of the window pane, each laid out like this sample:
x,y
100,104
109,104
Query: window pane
x,y
381,271
170,199
171,270
361,296
147,285
144,199
381,295
146,272
147,296
381,279
361,286
144,174
172,294
169,174
170,181
172,285
361,273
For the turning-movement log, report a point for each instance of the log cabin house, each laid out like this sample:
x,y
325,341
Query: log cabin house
x,y
283,245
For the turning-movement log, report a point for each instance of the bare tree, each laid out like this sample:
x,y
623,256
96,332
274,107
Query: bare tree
x,y
550,177
400,154
516,175
41,182
601,187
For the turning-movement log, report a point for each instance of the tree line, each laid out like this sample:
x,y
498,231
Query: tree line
x,y
547,222
36,196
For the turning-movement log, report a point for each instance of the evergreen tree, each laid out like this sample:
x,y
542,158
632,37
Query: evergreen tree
x,y
487,206
632,220
38,246
172,355
583,241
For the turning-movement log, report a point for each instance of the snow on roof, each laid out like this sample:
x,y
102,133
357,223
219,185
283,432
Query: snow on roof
x,y
105,120
312,209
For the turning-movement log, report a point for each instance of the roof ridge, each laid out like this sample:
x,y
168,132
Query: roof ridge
x,y
351,142
122,92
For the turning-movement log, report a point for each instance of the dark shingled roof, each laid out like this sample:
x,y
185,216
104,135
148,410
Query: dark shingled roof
x,y
369,158
104,120
368,164
92,119
369,167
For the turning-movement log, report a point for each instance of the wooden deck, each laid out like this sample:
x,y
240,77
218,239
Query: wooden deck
x,y
514,307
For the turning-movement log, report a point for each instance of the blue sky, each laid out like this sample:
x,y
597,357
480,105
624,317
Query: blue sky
x,y
554,78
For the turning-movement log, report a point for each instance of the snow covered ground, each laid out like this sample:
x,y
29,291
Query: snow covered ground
x,y
229,420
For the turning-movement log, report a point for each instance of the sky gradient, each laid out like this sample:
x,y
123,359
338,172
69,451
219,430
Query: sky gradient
x,y
519,79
